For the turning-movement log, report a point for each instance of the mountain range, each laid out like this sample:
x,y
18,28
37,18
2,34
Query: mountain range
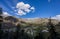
x,y
29,20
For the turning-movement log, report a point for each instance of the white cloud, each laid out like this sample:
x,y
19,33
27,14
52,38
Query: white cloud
x,y
49,0
20,12
56,17
32,8
23,8
5,14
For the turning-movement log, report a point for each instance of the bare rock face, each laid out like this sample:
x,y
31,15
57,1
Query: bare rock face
x,y
11,18
11,21
40,20
31,21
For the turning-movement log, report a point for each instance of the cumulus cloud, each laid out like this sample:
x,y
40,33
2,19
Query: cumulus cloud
x,y
32,8
56,17
20,12
23,8
5,14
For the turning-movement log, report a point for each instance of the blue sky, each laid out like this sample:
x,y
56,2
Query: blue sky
x,y
41,8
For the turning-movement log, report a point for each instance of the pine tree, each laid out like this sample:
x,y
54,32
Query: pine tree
x,y
17,31
1,21
51,30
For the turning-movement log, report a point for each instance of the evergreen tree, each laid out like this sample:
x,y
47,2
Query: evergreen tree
x,y
40,35
17,31
51,30
1,21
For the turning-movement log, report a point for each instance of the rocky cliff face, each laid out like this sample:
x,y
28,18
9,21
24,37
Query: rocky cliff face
x,y
31,21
